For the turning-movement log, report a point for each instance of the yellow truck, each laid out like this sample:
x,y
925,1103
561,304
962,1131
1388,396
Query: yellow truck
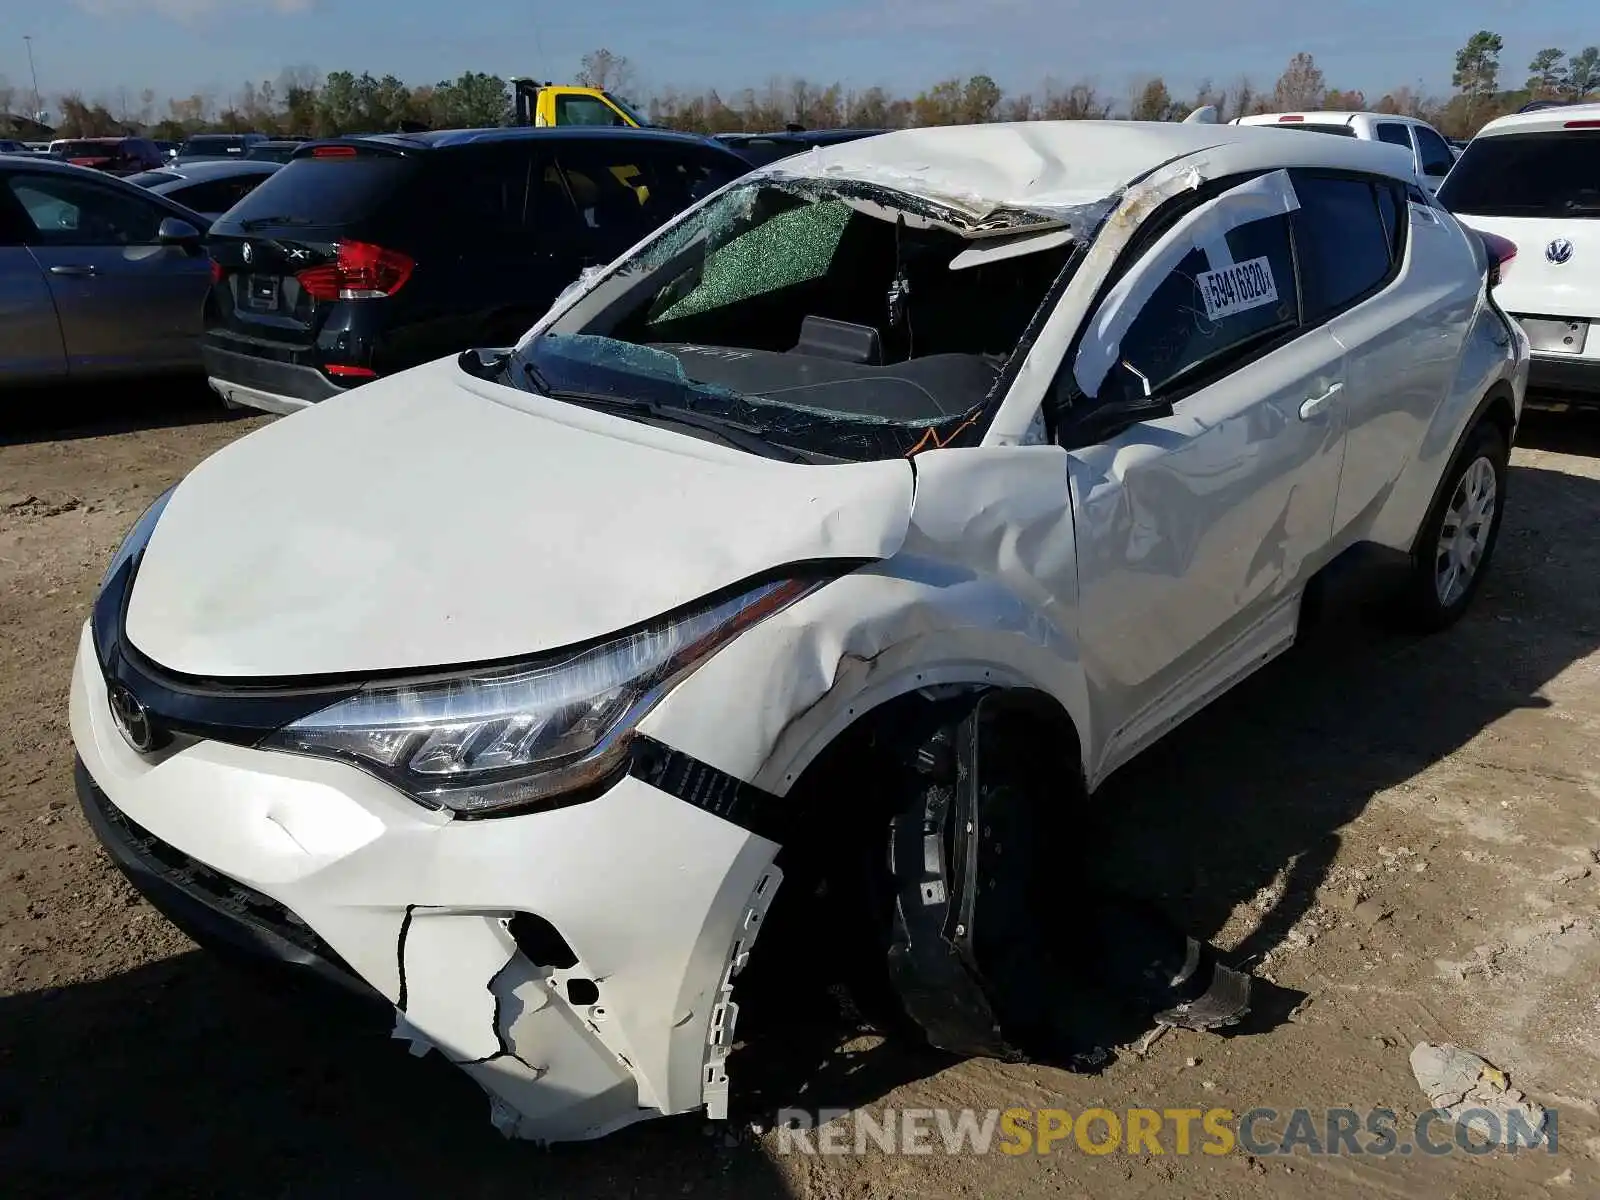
x,y
567,104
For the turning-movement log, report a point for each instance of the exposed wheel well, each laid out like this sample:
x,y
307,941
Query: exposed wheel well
x,y
829,925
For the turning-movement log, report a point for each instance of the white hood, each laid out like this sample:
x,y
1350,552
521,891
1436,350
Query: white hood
x,y
420,522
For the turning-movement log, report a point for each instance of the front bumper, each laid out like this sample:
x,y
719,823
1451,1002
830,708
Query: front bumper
x,y
319,864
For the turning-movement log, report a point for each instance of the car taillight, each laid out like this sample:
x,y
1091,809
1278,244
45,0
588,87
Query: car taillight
x,y
1582,125
1501,252
217,272
1286,120
349,372
359,271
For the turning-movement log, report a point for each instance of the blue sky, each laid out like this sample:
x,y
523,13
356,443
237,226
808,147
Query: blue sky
x,y
181,46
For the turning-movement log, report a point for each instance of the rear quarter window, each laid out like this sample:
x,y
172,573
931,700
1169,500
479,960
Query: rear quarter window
x,y
1552,174
1343,243
325,192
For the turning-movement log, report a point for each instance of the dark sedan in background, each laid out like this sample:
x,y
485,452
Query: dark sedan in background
x,y
210,188
97,277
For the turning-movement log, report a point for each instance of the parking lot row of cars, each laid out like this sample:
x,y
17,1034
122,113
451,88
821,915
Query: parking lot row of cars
x,y
463,237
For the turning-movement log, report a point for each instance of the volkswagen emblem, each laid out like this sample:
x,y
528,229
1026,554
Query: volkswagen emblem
x,y
248,253
1558,251
132,718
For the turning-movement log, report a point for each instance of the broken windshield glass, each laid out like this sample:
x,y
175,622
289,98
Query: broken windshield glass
x,y
837,317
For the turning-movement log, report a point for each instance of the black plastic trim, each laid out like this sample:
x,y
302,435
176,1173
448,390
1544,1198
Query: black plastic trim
x,y
707,788
1576,380
262,374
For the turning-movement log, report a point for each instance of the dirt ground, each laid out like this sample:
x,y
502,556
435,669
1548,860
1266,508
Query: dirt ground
x,y
1401,833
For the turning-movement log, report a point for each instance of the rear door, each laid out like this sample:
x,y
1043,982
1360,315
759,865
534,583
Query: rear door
x,y
1399,295
494,199
30,335
124,300
293,224
622,189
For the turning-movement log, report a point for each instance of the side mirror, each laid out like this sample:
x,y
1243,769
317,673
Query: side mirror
x,y
175,231
1105,421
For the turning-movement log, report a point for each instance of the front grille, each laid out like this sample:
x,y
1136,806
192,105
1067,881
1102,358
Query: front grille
x,y
215,890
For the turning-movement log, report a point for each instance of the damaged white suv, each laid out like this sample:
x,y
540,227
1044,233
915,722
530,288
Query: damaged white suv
x,y
923,480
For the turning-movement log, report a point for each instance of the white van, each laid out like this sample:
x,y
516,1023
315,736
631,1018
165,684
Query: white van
x,y
1431,152
1534,178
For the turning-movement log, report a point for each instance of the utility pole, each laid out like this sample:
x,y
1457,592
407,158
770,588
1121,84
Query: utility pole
x,y
28,38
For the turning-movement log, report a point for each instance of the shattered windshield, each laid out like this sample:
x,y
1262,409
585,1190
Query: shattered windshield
x,y
841,319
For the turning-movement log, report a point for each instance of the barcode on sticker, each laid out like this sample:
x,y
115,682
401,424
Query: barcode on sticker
x,y
1237,288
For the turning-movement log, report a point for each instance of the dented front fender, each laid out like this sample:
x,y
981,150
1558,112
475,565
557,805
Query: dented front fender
x,y
984,592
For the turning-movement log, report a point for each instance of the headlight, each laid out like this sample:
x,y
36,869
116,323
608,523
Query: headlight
x,y
138,537
502,738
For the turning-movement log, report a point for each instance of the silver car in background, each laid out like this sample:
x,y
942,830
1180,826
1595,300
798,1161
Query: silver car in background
x,y
209,188
97,277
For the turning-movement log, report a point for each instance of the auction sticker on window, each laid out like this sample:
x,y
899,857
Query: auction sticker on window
x,y
1237,288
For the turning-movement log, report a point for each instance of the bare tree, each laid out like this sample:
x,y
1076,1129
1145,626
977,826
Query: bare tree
x,y
8,95
603,69
1301,86
1075,102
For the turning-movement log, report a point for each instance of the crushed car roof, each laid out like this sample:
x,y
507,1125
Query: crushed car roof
x,y
1063,166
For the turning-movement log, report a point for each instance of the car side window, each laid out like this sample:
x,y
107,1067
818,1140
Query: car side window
x,y
1392,209
621,189
490,193
216,195
1394,133
1433,152
1207,316
1343,247
586,110
65,211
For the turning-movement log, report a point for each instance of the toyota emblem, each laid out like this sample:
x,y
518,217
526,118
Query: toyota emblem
x,y
132,718
248,253
1558,251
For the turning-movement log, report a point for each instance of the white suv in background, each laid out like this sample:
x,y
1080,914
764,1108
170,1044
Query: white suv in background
x,y
1432,155
1534,178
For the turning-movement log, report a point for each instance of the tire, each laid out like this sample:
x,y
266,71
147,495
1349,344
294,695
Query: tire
x,y
1447,570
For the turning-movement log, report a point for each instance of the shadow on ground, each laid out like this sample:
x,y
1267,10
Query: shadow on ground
x,y
182,1079
72,411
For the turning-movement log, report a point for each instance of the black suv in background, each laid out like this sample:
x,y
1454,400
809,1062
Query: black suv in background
x,y
203,147
366,255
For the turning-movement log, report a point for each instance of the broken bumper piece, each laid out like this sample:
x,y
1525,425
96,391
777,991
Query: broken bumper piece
x,y
577,963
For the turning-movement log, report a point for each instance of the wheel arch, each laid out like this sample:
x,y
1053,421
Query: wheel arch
x,y
1497,407
1490,395
769,704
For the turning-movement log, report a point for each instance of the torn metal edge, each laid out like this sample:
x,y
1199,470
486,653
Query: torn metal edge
x,y
714,1088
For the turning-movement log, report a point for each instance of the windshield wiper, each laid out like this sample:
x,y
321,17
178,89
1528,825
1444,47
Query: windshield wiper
x,y
259,222
743,437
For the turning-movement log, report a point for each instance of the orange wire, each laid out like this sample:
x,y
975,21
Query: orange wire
x,y
932,434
